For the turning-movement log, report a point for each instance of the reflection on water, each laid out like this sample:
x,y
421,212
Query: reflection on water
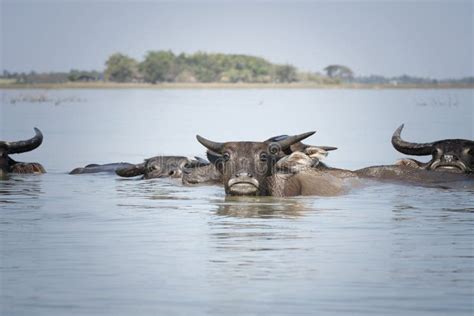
x,y
103,245
261,207
21,189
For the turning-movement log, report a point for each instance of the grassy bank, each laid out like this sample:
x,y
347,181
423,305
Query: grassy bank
x,y
295,85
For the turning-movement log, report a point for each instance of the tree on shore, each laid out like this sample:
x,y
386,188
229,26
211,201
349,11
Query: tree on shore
x,y
78,75
285,73
159,66
339,71
120,68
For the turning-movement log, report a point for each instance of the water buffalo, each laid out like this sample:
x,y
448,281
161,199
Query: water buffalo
x,y
452,155
96,168
254,168
455,157
8,165
161,167
309,156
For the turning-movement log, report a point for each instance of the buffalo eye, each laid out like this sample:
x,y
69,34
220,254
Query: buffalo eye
x,y
468,152
274,149
226,156
437,152
263,156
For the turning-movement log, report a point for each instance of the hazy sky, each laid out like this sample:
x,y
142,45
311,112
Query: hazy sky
x,y
424,38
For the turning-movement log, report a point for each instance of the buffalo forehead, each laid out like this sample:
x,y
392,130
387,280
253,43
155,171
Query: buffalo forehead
x,y
245,148
454,144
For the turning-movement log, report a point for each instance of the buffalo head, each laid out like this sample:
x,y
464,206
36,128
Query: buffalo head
x,y
246,166
454,155
201,173
159,167
7,164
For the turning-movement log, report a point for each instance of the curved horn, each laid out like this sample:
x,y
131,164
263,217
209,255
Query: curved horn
x,y
214,146
23,145
287,142
410,148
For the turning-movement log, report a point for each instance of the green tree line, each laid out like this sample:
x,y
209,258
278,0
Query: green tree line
x,y
165,66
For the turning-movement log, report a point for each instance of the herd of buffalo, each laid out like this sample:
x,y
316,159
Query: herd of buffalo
x,y
278,166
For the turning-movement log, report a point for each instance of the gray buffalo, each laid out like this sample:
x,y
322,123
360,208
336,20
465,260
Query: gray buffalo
x,y
264,168
161,167
203,174
105,168
155,167
8,165
451,155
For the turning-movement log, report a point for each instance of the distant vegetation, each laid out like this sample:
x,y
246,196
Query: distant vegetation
x,y
165,66
200,67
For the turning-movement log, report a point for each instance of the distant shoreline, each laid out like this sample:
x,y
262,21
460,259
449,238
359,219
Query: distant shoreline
x,y
199,85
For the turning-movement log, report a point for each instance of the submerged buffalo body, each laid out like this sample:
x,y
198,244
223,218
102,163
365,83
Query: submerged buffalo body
x,y
452,155
8,165
105,168
264,168
404,174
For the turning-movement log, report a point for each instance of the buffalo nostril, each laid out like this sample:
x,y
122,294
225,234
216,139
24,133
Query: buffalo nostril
x,y
243,174
449,158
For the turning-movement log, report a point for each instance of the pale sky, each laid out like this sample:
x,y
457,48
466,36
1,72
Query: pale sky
x,y
422,38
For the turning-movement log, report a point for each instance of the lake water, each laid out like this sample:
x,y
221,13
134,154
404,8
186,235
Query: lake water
x,y
100,245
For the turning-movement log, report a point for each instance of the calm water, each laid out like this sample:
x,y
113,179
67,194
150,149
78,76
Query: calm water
x,y
99,245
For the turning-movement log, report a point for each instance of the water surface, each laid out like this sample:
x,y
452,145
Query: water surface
x,y
100,245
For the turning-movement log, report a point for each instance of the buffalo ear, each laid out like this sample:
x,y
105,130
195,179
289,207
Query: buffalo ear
x,y
201,160
216,159
196,163
213,157
131,171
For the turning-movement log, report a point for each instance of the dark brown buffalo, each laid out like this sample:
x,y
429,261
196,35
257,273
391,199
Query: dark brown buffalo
x,y
310,157
8,165
254,168
452,155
